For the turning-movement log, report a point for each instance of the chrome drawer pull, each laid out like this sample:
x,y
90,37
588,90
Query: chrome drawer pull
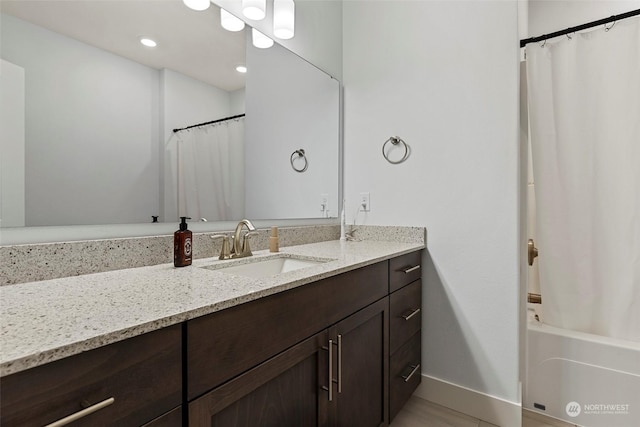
x,y
339,363
410,269
330,385
415,369
81,414
410,315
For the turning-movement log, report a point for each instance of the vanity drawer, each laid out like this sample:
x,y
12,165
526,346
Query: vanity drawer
x,y
225,344
405,317
404,270
404,373
142,375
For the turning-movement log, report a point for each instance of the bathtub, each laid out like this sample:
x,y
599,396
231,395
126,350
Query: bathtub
x,y
580,378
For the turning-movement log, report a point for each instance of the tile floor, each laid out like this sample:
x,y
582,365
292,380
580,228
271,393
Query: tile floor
x,y
422,413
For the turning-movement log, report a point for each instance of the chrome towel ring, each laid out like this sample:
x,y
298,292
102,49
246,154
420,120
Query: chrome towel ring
x,y
300,153
395,140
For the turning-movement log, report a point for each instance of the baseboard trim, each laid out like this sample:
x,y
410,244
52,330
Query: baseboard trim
x,y
488,408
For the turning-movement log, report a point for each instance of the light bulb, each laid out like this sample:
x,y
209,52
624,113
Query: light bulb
x,y
148,42
254,9
230,22
260,40
241,69
197,4
283,18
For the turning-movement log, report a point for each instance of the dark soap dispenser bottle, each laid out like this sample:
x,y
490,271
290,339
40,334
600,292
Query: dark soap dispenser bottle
x,y
182,244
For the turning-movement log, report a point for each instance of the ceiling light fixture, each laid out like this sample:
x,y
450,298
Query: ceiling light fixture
x,y
241,69
148,42
283,18
254,9
230,22
260,40
197,4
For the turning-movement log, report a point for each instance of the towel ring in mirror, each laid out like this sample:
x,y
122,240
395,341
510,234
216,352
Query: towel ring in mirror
x,y
395,140
300,153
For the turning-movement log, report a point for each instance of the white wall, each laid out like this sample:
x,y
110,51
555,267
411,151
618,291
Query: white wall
x,y
90,115
297,109
318,33
443,75
548,16
237,98
11,145
187,101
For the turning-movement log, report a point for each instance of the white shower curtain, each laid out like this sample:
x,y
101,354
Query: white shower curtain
x,y
211,171
584,107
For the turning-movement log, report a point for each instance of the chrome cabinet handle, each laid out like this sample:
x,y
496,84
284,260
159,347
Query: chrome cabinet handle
x,y
410,315
83,413
410,269
339,363
414,369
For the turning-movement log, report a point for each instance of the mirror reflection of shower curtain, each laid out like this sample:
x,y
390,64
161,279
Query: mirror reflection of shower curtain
x,y
211,171
584,110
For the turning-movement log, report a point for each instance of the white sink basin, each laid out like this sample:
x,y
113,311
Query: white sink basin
x,y
261,267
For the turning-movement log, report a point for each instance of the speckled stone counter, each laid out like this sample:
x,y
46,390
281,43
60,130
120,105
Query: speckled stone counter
x,y
49,320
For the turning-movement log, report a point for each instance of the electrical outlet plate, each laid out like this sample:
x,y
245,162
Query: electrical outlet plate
x,y
365,201
324,202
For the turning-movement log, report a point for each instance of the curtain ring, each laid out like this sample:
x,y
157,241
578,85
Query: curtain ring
x,y
395,140
608,28
300,153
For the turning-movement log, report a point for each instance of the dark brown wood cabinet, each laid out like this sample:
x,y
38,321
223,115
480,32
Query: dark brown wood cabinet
x,y
360,392
283,391
337,377
224,344
405,306
132,382
340,352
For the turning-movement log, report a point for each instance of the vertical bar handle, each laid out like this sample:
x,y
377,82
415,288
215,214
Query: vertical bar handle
x,y
330,370
81,414
339,363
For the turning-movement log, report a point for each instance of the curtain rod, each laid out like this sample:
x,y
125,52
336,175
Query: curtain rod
x,y
570,30
209,123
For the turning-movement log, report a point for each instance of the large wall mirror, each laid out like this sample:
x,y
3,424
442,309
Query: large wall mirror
x,y
96,136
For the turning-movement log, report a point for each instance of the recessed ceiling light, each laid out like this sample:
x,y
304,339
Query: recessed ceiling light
x,y
148,42
241,69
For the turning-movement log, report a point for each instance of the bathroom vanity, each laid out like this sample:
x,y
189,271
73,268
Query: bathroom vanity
x,y
332,344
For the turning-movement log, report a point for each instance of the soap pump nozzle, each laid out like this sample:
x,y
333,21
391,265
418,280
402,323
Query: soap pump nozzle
x,y
183,222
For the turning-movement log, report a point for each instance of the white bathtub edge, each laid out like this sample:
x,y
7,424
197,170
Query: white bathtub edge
x,y
491,409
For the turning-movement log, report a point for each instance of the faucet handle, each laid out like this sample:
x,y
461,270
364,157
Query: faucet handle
x,y
225,252
246,248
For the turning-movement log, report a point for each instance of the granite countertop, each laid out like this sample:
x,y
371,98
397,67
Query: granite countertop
x,y
52,319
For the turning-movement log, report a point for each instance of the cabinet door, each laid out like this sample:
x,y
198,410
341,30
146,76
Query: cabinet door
x,y
285,390
362,354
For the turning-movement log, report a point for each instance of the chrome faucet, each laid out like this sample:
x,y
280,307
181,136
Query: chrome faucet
x,y
242,249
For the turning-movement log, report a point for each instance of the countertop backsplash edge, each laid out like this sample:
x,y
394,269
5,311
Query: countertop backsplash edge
x,y
44,261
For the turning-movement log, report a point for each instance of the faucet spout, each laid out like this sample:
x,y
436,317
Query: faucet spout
x,y
238,248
